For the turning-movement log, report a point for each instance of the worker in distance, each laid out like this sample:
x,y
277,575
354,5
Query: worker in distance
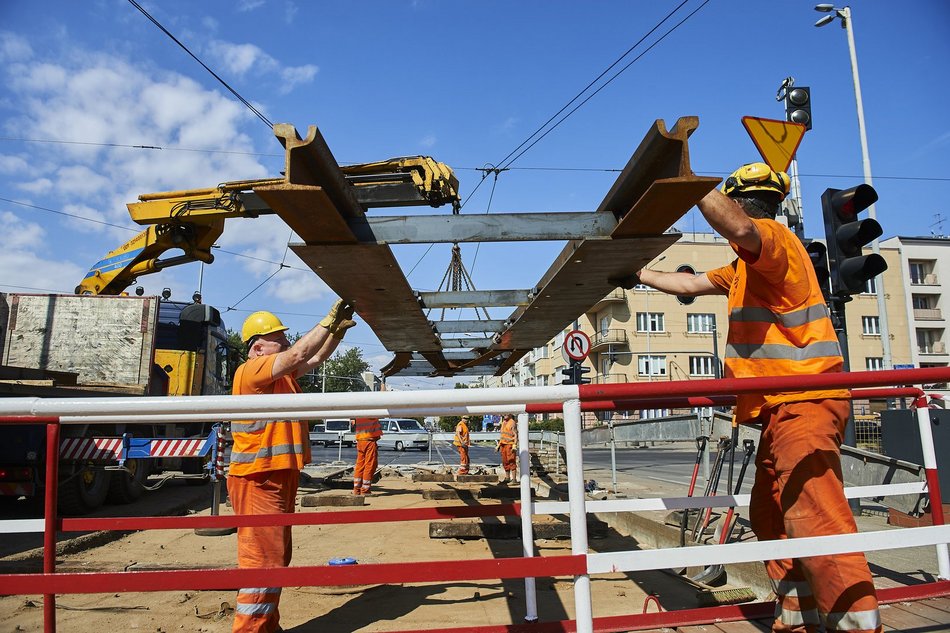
x,y
268,455
779,325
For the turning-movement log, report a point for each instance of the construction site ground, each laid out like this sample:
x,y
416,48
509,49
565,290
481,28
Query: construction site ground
x,y
417,606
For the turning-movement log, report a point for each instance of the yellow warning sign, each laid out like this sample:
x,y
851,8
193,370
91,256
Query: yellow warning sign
x,y
777,141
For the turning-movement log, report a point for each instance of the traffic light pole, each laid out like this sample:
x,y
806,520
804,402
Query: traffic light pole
x,y
836,305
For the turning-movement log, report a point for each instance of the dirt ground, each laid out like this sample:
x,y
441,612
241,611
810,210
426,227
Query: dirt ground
x,y
363,608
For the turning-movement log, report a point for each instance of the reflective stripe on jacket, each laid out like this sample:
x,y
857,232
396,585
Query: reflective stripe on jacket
x,y
461,435
265,445
367,429
778,321
507,435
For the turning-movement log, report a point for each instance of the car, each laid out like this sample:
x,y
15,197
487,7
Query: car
x,y
332,431
402,433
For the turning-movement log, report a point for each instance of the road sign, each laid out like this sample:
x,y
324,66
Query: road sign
x,y
576,346
777,141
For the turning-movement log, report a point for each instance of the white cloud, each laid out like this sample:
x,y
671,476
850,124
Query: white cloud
x,y
20,263
13,165
290,12
37,186
292,76
14,47
238,59
428,141
249,5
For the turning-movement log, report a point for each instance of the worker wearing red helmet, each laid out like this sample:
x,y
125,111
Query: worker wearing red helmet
x,y
268,455
779,325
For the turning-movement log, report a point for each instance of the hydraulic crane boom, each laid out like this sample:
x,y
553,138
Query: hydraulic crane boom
x,y
192,220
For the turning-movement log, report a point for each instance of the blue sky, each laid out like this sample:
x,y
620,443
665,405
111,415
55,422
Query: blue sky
x,y
464,82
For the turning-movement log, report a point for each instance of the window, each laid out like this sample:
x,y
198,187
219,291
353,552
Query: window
x,y
870,286
700,323
651,365
652,414
922,302
605,364
871,326
650,322
643,288
685,299
604,325
705,412
874,363
701,366
917,272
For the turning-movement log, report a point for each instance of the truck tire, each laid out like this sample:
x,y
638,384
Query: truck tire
x,y
83,490
126,487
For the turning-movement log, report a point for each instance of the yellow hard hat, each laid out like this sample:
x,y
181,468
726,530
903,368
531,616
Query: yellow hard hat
x,y
260,323
756,177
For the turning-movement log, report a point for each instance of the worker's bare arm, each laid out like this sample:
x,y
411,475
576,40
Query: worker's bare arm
x,y
728,219
325,352
296,359
678,283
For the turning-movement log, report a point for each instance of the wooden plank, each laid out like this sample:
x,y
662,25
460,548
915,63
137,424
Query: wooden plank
x,y
902,617
664,202
928,610
308,211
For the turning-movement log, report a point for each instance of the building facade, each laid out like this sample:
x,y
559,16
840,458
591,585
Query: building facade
x,y
642,335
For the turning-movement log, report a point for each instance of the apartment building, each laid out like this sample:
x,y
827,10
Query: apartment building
x,y
642,335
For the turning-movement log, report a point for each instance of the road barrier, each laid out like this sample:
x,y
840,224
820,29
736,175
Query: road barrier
x,y
55,412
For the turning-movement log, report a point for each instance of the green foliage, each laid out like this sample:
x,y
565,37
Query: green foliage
x,y
341,372
551,424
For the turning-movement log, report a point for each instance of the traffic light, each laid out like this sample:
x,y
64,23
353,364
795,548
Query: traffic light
x,y
818,254
847,235
798,106
574,374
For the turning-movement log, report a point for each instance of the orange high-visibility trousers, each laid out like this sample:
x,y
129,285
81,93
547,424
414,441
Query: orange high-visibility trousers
x,y
367,458
463,459
508,459
799,492
262,493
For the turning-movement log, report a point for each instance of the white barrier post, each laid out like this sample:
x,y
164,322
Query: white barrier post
x,y
933,486
575,489
527,521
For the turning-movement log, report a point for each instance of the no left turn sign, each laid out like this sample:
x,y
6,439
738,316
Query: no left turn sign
x,y
576,345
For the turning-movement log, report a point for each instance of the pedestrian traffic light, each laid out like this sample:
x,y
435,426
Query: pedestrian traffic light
x,y
818,254
798,106
846,235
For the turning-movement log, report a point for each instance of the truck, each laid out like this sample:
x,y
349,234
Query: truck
x,y
106,346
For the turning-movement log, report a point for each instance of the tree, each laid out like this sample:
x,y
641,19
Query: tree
x,y
447,423
341,372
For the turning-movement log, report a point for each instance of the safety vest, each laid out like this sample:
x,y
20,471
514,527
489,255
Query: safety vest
x,y
779,324
461,434
266,445
367,429
507,432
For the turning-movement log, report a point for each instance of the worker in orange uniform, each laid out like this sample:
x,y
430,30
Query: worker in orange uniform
x,y
368,433
268,455
779,325
462,442
507,443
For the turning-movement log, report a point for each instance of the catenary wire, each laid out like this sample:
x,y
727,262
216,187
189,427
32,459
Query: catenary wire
x,y
247,103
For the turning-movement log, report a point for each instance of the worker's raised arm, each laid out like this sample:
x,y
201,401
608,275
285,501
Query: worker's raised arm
x,y
678,283
315,346
728,219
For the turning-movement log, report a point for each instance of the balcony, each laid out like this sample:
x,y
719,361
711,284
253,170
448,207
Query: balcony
x,y
610,379
618,295
928,314
609,337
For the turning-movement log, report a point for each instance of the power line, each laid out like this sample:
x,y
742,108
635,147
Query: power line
x,y
203,65
69,215
147,147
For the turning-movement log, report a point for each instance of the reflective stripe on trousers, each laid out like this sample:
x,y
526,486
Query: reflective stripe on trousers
x,y
798,492
367,458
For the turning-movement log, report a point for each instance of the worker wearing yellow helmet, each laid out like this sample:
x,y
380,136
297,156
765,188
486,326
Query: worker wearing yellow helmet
x,y
779,325
268,455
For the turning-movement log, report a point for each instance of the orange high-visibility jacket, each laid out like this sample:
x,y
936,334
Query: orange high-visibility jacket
x,y
508,433
264,445
461,434
367,429
778,321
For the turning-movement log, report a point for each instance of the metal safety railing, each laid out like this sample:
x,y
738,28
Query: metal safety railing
x,y
570,400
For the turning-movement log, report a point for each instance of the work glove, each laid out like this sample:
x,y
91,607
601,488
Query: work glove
x,y
341,328
340,311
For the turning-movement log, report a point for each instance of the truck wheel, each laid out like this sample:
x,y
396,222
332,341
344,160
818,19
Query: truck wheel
x,y
126,487
83,490
399,446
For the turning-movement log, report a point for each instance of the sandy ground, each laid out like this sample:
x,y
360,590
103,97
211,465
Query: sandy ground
x,y
365,608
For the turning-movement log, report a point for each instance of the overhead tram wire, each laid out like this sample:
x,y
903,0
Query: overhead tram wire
x,y
148,147
608,82
234,92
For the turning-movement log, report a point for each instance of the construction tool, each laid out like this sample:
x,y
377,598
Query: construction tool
x,y
707,596
701,442
712,486
714,573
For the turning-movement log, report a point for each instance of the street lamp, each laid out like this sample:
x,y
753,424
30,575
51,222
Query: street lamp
x,y
845,15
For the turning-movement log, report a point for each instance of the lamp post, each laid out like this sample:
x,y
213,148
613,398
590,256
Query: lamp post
x,y
845,15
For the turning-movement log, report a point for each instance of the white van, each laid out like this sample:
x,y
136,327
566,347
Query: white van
x,y
402,433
